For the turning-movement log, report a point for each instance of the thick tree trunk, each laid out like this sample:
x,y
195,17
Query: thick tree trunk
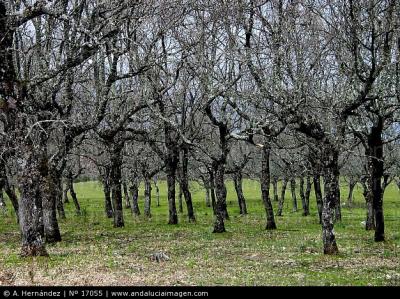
x,y
237,179
184,184
352,184
275,187
293,193
126,196
220,208
134,189
32,183
147,197
115,182
282,199
331,175
265,185
318,195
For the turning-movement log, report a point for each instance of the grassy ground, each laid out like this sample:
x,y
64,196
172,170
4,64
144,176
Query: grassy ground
x,y
94,253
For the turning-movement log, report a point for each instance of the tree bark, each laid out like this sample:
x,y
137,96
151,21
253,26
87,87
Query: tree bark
x,y
304,204
293,193
307,193
375,175
370,220
115,182
212,192
65,194
30,209
331,184
135,195
171,179
275,187
57,185
220,208
126,196
70,187
157,190
265,185
338,207
107,199
180,199
184,184
282,199
237,179
147,197
318,195
352,184
49,201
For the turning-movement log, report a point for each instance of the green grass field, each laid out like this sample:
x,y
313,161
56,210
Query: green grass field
x,y
94,253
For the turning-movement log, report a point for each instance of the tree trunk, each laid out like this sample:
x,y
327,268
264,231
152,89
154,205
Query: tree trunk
x,y
304,204
57,185
265,185
275,187
282,199
157,191
307,194
171,179
220,208
115,182
352,184
338,207
49,202
126,196
318,195
65,194
375,175
70,187
135,195
184,184
30,209
293,193
147,197
31,164
107,199
237,179
370,220
212,192
180,199
331,184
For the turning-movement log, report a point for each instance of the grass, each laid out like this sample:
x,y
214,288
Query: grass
x,y
94,253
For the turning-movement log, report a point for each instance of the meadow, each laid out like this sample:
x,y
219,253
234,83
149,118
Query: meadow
x,y
94,253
